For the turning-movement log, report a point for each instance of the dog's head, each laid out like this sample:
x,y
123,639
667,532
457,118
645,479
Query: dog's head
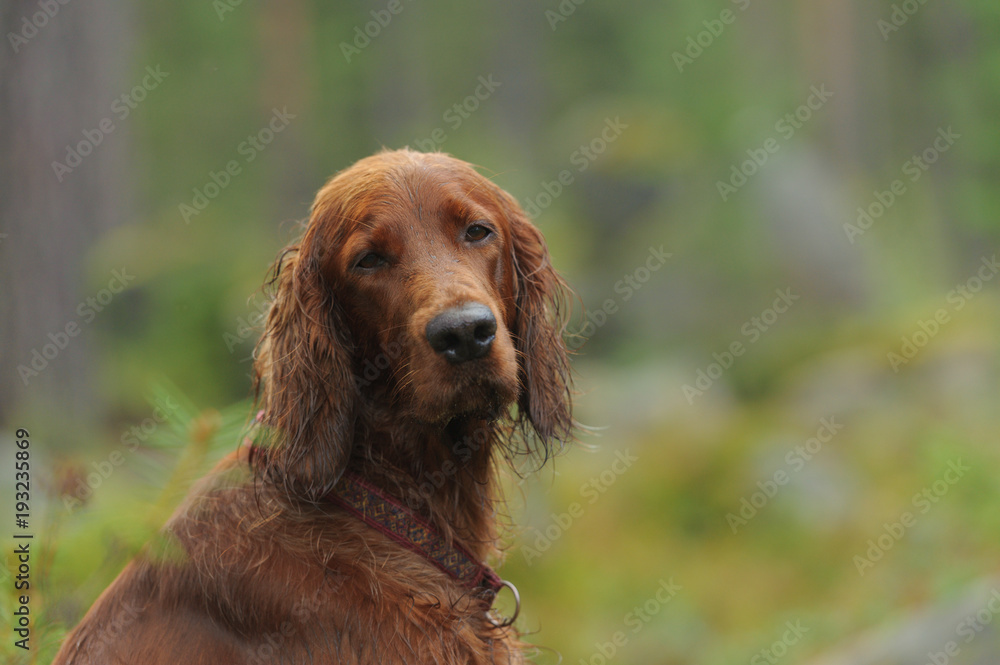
x,y
418,285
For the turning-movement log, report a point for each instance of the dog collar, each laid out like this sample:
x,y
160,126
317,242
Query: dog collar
x,y
390,517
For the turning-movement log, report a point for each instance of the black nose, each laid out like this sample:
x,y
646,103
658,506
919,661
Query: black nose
x,y
462,333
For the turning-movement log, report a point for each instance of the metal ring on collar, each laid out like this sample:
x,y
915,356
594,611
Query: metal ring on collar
x,y
509,621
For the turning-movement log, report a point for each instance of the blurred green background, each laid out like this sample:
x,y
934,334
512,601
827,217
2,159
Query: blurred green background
x,y
781,220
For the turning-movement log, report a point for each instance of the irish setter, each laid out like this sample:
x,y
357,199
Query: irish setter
x,y
415,340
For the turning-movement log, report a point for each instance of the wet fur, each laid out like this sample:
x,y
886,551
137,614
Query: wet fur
x,y
255,566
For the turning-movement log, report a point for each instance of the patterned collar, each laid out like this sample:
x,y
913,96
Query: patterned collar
x,y
389,516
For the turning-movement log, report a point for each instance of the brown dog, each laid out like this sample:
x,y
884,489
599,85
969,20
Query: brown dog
x,y
417,309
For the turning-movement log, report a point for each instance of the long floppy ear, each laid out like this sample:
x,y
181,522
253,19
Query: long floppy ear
x,y
303,381
542,299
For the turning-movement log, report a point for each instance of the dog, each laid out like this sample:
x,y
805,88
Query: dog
x,y
414,343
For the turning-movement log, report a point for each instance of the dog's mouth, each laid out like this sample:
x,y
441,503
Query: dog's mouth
x,y
439,390
452,362
467,393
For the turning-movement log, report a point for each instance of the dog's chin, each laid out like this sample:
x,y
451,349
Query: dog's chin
x,y
485,398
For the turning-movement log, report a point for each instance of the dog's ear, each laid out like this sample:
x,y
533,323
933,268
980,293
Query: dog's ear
x,y
303,379
542,300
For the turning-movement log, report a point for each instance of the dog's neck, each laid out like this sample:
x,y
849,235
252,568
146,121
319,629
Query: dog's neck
x,y
445,473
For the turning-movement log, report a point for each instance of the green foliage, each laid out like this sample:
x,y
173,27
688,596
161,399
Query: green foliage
x,y
190,313
100,510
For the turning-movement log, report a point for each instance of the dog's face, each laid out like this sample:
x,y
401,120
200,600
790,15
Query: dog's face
x,y
420,286
422,261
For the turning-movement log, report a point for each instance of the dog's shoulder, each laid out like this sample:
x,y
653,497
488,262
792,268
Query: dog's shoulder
x,y
238,575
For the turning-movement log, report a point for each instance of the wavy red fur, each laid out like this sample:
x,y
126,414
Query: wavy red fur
x,y
256,566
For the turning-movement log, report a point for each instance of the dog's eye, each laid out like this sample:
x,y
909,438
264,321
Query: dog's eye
x,y
477,232
370,261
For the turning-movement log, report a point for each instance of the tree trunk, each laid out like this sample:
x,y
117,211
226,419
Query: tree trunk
x,y
59,75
